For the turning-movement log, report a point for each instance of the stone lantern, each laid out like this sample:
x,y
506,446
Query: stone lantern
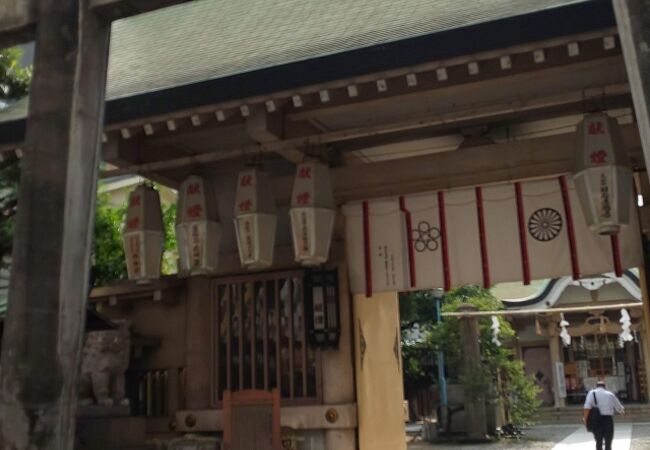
x,y
143,234
312,213
198,231
255,219
602,174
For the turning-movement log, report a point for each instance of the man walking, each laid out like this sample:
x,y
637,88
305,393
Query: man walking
x,y
607,403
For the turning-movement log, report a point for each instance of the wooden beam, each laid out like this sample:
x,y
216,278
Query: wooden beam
x,y
483,114
17,21
531,158
44,326
119,9
498,163
594,65
547,108
266,127
120,152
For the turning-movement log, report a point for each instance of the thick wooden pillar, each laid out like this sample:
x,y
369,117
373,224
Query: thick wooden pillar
x,y
475,410
50,262
633,19
338,370
198,357
380,390
645,329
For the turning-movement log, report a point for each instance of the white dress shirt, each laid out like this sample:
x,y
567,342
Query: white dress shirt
x,y
607,402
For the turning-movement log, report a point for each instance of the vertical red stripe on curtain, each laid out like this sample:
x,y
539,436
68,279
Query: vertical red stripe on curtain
x,y
575,267
616,255
366,249
523,243
443,236
409,239
485,263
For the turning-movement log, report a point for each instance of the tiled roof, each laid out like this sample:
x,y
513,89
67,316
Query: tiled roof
x,y
208,39
211,51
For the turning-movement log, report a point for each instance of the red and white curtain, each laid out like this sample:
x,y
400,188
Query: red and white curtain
x,y
481,235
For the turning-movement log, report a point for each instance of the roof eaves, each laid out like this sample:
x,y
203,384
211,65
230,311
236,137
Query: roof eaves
x,y
538,26
551,291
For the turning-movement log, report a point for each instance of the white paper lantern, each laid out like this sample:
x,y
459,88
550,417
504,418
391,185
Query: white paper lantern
x,y
312,213
255,219
198,231
602,174
143,235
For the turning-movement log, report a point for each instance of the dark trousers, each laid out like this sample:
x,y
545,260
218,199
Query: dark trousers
x,y
605,433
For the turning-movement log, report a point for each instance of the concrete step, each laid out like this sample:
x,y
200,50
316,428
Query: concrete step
x,y
570,414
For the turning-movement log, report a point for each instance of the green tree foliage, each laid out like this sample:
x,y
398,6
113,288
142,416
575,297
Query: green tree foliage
x,y
170,256
14,84
9,176
14,80
417,316
503,376
109,263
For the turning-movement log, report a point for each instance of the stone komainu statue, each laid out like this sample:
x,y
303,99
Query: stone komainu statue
x,y
105,360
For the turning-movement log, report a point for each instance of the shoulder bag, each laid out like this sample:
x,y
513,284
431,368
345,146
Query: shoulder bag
x,y
593,419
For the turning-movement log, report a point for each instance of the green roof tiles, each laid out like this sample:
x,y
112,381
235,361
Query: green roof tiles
x,y
210,51
208,39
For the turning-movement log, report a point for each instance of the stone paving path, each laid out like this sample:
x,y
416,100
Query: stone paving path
x,y
555,437
581,439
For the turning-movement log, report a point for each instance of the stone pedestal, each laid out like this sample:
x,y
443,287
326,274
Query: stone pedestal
x,y
554,345
474,404
111,433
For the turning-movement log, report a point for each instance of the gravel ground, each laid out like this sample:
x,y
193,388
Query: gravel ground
x,y
538,438
641,437
543,437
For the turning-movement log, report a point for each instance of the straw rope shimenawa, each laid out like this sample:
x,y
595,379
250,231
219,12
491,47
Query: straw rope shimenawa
x,y
528,312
